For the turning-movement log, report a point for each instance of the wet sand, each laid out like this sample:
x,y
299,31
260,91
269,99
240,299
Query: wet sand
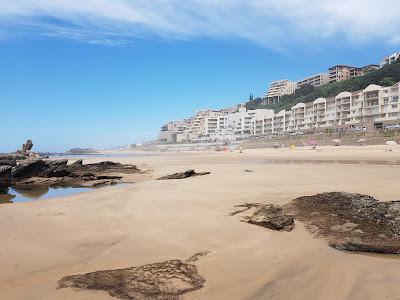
x,y
155,221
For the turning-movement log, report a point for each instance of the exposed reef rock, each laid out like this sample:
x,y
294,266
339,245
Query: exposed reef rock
x,y
10,159
268,215
164,280
353,222
29,168
57,173
183,175
5,178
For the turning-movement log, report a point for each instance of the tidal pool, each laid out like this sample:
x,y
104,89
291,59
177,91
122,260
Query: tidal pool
x,y
25,194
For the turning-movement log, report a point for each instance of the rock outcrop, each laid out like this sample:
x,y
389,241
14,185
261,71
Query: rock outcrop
x,y
352,222
29,168
10,159
165,280
27,147
183,175
267,215
57,173
5,178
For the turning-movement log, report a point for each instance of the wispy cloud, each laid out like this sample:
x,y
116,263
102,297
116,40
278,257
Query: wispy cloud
x,y
271,23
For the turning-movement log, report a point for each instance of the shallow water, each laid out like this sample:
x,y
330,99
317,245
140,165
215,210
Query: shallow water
x,y
104,155
331,161
25,194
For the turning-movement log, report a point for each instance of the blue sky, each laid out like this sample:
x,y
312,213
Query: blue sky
x,y
103,73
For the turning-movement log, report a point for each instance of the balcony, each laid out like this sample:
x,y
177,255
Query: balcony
x,y
352,122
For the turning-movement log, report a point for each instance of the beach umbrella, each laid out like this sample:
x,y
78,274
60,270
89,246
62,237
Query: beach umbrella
x,y
391,143
336,142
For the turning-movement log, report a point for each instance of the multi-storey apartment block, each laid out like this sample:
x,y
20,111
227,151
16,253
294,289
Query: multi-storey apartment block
x,y
174,132
278,89
342,72
336,73
314,80
375,106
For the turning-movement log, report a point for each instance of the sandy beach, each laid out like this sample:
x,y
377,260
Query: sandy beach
x,y
153,221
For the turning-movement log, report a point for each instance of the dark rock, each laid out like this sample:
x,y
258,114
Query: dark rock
x,y
182,175
12,156
27,147
59,172
352,222
57,163
77,163
88,176
101,177
165,280
272,217
10,159
29,168
5,172
31,173
5,178
58,168
11,163
105,166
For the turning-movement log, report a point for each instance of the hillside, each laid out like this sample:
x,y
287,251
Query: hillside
x,y
386,76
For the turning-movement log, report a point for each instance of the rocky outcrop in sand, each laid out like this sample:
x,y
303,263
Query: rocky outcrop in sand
x,y
56,173
268,215
183,175
271,216
5,178
353,222
164,280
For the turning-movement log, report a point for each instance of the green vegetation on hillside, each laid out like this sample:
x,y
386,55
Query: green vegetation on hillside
x,y
386,76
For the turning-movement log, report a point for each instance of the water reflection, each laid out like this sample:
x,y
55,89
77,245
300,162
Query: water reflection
x,y
32,193
6,198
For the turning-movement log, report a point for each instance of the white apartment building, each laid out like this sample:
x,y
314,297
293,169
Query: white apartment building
x,y
390,59
314,80
277,89
375,106
261,121
174,132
